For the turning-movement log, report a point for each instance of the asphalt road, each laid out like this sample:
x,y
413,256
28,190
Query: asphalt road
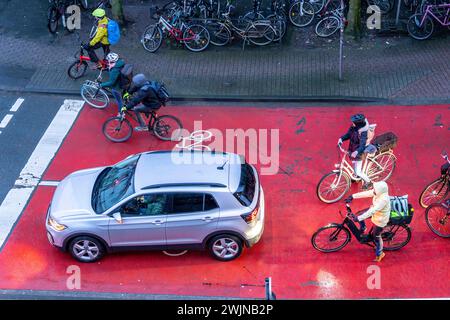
x,y
22,133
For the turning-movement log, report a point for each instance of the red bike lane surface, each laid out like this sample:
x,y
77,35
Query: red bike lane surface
x,y
307,151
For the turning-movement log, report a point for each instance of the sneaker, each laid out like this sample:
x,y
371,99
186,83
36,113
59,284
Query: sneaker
x,y
367,185
379,258
141,129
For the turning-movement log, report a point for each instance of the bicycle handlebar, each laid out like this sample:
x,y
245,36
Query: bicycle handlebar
x,y
445,156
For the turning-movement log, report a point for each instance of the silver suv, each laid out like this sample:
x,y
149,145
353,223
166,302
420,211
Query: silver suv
x,y
159,200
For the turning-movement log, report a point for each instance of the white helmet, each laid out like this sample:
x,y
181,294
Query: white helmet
x,y
112,57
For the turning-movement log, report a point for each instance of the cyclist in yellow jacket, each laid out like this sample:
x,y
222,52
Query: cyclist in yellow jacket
x,y
100,39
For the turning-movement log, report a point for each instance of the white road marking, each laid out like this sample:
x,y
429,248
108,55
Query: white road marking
x,y
6,120
49,183
18,197
16,105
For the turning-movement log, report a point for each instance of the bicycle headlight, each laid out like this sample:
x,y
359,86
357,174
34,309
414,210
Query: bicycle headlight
x,y
55,225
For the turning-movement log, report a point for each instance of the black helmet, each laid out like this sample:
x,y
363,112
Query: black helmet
x,y
358,119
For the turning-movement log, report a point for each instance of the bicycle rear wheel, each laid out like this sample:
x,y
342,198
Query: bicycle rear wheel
x,y
77,69
116,129
94,96
301,14
167,128
381,167
198,38
260,33
395,237
437,217
436,191
219,34
327,26
330,238
329,190
53,19
152,38
418,31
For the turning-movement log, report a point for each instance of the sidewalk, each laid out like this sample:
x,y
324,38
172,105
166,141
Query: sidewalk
x,y
303,67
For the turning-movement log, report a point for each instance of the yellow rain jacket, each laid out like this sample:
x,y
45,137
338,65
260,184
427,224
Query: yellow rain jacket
x,y
102,33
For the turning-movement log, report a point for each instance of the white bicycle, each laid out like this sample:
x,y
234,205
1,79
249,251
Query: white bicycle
x,y
378,166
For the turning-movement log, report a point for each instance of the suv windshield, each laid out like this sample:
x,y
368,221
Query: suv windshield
x,y
247,186
114,184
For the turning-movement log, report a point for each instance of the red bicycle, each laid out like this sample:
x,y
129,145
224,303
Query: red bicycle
x,y
194,36
79,67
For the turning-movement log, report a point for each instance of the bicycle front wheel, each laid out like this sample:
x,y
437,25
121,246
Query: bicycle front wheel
x,y
381,167
436,191
330,238
95,97
327,26
77,69
438,219
301,14
331,188
395,237
167,128
196,38
219,34
420,28
152,38
260,33
116,129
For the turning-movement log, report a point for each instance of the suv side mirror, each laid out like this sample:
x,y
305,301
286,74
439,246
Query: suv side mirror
x,y
118,217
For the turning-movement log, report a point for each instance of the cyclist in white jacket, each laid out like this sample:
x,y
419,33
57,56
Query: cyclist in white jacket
x,y
379,211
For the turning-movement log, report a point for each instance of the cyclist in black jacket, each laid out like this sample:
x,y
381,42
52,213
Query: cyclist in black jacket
x,y
144,99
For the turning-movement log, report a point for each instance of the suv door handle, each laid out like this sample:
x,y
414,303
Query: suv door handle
x,y
207,218
158,222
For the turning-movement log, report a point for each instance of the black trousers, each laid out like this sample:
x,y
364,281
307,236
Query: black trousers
x,y
91,50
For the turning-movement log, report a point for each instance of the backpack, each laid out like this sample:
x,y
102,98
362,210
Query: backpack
x,y
113,32
160,91
401,211
126,76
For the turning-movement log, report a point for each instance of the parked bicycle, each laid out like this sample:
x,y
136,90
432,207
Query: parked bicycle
x,y
78,68
438,189
378,166
437,217
301,13
194,36
335,236
333,21
421,25
57,11
258,32
119,128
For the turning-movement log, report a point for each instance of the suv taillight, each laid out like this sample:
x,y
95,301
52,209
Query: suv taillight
x,y
252,216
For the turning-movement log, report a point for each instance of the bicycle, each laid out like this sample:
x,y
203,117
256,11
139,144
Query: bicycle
x,y
57,11
195,37
119,128
301,13
421,26
438,189
332,22
78,68
259,32
437,216
335,236
378,166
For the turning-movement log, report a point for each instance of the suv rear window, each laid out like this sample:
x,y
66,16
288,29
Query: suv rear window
x,y
193,202
247,186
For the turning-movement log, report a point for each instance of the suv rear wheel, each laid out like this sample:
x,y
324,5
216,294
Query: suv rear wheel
x,y
225,247
86,249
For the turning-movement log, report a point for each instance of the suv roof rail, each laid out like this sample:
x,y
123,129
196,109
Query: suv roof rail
x,y
194,184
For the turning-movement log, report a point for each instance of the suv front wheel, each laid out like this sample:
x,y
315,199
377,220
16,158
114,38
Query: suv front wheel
x,y
225,247
86,249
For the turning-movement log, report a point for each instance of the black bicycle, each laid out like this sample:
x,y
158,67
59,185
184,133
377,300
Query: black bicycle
x,y
438,189
335,236
119,128
57,11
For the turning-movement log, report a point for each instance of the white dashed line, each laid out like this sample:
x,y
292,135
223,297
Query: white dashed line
x,y
16,105
18,197
6,120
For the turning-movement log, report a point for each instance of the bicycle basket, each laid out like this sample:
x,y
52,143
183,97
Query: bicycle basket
x,y
385,141
401,211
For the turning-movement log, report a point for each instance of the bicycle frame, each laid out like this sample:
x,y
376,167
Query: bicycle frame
x,y
354,230
429,11
174,32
